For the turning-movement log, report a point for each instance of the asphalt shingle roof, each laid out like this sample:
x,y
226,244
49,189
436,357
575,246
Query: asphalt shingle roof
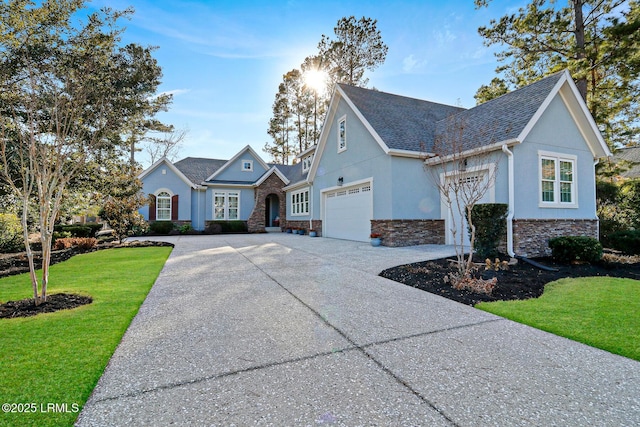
x,y
631,156
198,169
292,172
412,124
498,120
402,123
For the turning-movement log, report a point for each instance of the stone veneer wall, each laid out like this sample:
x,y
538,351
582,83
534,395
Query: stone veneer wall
x,y
409,232
272,185
531,236
317,225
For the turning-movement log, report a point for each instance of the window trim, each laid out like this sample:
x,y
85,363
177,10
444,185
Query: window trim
x,y
246,162
306,163
557,158
158,208
299,205
226,207
341,138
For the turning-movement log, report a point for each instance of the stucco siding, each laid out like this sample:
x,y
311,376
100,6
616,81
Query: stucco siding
x,y
156,180
197,209
555,132
234,172
362,159
413,194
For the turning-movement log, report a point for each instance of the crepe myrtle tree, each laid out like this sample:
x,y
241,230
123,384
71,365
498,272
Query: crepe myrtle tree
x,y
463,172
68,93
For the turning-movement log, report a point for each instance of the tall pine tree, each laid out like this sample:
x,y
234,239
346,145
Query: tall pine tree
x,y
597,40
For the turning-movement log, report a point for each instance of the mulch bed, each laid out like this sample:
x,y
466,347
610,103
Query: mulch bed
x,y
11,264
521,281
55,302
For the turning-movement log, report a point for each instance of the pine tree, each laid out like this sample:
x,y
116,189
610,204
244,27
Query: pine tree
x,y
597,40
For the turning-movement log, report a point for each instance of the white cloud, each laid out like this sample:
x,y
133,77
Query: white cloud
x,y
410,64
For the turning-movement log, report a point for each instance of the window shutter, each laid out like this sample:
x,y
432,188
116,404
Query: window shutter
x,y
174,208
152,207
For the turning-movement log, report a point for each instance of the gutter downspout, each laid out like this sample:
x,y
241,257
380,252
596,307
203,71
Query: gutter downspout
x,y
510,213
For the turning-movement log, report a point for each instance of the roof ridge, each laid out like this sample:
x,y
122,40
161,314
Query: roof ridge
x,y
398,95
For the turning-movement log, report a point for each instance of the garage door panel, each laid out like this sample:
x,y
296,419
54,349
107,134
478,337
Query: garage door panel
x,y
348,213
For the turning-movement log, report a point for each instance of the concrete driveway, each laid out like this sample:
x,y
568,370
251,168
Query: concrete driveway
x,y
286,330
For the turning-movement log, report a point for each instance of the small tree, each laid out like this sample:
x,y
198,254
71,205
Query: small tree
x,y
68,95
463,172
121,213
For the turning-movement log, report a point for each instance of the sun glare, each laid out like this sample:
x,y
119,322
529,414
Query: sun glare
x,y
315,79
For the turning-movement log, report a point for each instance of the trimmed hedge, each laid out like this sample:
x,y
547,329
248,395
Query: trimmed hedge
x,y
78,230
161,227
627,241
232,226
490,220
575,248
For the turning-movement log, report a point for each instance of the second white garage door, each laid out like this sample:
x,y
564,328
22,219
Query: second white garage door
x,y
348,212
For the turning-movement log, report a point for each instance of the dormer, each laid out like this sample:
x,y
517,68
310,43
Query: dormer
x,y
306,157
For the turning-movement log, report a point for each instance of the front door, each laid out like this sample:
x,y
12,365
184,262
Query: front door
x,y
272,211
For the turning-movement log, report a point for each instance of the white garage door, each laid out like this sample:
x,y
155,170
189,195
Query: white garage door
x,y
348,212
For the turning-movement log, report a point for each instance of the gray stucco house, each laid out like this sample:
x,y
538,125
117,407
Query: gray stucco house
x,y
370,171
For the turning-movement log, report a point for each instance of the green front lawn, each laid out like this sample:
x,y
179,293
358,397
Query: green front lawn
x,y
603,312
57,358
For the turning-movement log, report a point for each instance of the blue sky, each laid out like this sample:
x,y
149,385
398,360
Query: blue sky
x,y
223,60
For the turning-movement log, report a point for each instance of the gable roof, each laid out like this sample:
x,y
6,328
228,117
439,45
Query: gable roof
x,y
498,120
236,157
175,170
274,170
197,169
401,123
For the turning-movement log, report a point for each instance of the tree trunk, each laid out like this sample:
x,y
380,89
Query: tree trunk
x,y
581,83
27,247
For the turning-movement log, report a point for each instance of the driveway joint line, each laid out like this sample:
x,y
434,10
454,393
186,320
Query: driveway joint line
x,y
358,347
172,385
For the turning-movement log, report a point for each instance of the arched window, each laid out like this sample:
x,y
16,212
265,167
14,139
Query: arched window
x,y
163,206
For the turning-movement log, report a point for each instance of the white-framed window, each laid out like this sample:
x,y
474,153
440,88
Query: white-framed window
x,y
306,163
226,205
247,165
342,134
300,202
163,206
558,185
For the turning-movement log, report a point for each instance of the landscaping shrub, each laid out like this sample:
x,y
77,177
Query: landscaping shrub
x,y
213,228
232,226
60,235
575,248
161,227
95,227
75,230
627,241
10,233
84,243
186,229
490,220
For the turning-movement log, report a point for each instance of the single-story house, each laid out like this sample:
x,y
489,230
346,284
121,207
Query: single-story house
x,y
371,170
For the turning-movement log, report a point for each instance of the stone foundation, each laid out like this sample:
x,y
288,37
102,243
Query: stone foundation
x,y
409,232
531,236
317,225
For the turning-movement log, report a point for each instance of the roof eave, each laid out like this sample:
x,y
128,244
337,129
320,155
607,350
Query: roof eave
x,y
472,152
